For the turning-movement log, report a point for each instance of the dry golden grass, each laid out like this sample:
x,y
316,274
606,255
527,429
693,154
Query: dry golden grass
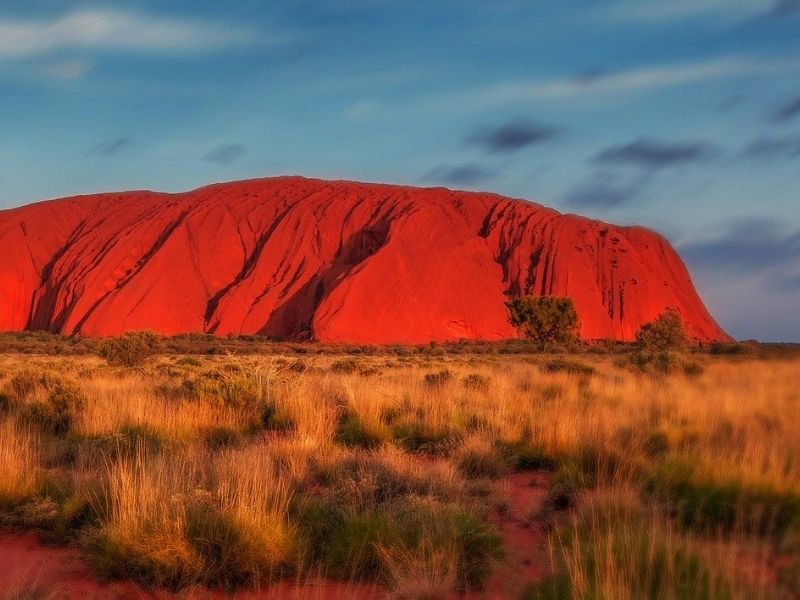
x,y
279,469
18,463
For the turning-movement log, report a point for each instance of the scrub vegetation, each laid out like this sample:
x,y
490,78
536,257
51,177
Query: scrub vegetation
x,y
671,476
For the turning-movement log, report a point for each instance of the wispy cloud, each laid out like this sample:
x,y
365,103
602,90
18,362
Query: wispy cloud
x,y
74,68
638,79
586,86
659,10
119,30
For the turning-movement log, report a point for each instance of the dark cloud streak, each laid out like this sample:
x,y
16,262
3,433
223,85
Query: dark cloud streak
x,y
767,147
513,136
788,111
110,147
226,154
652,154
466,174
784,8
747,246
605,190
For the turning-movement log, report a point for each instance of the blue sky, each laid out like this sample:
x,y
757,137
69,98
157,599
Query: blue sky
x,y
683,116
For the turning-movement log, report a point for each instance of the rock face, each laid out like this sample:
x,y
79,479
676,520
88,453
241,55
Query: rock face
x,y
295,258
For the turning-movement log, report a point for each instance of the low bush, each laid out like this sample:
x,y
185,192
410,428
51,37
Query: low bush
x,y
365,545
665,362
56,414
572,367
614,550
476,381
477,458
347,365
438,378
417,436
275,419
235,390
524,456
707,506
353,432
130,349
26,382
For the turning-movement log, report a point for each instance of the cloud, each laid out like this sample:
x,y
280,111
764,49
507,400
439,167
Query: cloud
x,y
604,190
748,245
513,136
110,147
724,12
639,79
467,174
658,10
653,154
225,154
118,30
788,111
773,147
585,87
68,69
785,8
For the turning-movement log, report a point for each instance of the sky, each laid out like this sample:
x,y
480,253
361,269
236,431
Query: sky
x,y
683,116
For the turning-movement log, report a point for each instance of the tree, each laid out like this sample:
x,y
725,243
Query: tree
x,y
545,319
666,332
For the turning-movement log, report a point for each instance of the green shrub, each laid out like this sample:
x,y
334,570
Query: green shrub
x,y
617,550
131,349
354,544
236,553
236,390
547,320
667,332
665,362
524,456
351,549
707,506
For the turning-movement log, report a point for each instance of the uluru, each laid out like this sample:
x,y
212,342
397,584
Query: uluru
x,y
294,258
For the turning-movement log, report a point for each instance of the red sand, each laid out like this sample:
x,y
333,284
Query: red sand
x,y
60,573
525,559
296,258
29,569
